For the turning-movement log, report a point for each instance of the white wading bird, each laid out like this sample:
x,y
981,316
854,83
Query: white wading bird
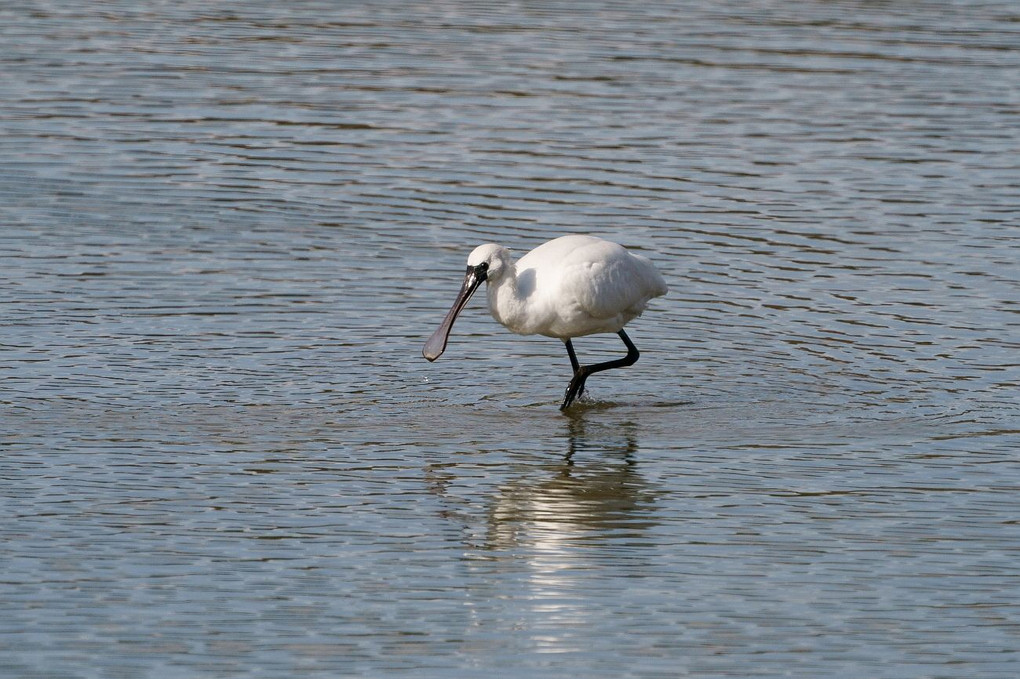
x,y
569,287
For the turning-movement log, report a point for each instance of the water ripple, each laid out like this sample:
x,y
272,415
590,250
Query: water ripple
x,y
228,231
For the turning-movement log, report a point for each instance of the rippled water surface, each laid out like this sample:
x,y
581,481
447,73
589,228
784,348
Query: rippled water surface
x,y
228,228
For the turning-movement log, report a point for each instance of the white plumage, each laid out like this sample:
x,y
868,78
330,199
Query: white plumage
x,y
568,287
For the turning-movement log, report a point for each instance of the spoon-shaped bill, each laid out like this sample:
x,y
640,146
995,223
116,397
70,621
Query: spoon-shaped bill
x,y
436,345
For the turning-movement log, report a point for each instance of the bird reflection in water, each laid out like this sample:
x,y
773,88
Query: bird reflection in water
x,y
559,532
560,529
595,493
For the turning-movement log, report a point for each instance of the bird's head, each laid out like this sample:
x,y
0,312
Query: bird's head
x,y
488,262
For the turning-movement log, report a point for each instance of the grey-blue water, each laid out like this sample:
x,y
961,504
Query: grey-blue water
x,y
226,230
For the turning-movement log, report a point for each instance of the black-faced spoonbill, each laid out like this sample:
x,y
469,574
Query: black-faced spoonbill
x,y
569,287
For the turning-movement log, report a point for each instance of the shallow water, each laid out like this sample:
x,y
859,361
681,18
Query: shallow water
x,y
228,231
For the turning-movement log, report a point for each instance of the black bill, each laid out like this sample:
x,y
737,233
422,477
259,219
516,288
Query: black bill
x,y
436,345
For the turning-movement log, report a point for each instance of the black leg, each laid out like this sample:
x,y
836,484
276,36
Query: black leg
x,y
576,366
573,357
582,372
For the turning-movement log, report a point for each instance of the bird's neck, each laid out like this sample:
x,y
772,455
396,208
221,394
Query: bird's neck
x,y
505,301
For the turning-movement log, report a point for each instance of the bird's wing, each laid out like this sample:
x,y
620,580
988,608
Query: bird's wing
x,y
606,280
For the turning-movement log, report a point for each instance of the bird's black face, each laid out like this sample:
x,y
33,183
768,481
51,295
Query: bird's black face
x,y
473,277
